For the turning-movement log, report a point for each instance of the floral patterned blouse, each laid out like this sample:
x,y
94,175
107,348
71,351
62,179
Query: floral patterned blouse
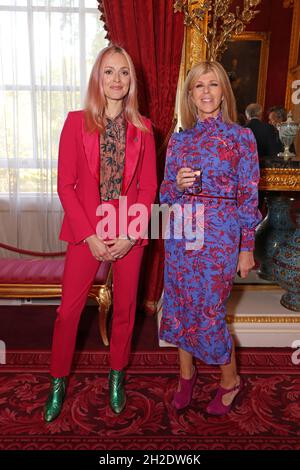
x,y
112,157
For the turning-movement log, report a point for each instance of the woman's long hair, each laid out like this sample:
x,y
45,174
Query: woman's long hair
x,y
189,112
95,101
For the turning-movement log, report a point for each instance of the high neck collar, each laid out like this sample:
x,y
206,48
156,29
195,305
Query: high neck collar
x,y
211,122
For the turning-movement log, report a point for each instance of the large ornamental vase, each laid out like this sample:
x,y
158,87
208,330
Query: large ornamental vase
x,y
271,232
287,268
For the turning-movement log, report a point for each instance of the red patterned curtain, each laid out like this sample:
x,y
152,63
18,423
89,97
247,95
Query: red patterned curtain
x,y
153,35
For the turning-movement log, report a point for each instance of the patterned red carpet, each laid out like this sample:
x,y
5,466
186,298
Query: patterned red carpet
x,y
266,414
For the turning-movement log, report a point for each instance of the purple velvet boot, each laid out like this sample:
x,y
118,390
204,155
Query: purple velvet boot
x,y
183,397
216,406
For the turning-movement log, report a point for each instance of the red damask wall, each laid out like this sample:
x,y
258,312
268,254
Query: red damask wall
x,y
277,20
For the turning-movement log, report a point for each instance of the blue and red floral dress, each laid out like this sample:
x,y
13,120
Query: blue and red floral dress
x,y
197,282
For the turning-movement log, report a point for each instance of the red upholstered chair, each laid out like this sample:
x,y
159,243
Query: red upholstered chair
x,y
41,278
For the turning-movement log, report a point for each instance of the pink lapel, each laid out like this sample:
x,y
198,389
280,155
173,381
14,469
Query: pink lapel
x,y
92,151
132,152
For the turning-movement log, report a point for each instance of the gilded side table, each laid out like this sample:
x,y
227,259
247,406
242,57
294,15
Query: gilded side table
x,y
278,175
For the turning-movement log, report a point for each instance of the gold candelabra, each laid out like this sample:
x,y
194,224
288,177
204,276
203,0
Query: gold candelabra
x,y
222,23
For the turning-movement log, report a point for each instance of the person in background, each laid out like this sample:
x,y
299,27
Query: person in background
x,y
265,135
106,151
198,280
277,115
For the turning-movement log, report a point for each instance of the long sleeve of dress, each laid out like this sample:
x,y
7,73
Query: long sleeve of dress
x,y
169,193
67,180
247,190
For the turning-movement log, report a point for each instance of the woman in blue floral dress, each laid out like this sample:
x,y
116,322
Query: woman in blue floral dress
x,y
198,280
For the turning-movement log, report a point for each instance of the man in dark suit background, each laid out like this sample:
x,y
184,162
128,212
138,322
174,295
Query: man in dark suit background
x,y
265,134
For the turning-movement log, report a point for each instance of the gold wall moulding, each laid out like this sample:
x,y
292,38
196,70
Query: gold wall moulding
x,y
261,319
246,287
279,179
194,44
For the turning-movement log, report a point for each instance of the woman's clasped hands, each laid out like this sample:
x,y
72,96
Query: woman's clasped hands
x,y
109,250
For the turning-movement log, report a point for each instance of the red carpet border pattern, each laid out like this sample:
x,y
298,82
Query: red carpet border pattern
x,y
266,414
164,360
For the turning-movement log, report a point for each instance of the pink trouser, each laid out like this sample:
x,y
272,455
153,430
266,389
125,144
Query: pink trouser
x,y
79,273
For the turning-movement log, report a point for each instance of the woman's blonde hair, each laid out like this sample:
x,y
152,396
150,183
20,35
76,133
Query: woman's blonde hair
x,y
188,108
95,101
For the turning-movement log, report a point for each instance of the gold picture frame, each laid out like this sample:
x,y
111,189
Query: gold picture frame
x,y
246,61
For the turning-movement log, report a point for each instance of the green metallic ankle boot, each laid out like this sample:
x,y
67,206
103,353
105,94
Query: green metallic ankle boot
x,y
117,397
55,399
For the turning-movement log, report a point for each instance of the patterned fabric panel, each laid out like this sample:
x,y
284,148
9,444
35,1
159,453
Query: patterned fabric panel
x,y
112,146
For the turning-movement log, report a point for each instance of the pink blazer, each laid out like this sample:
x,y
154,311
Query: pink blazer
x,y
79,175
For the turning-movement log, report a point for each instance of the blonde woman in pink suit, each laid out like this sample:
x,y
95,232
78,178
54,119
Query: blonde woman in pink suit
x,y
106,151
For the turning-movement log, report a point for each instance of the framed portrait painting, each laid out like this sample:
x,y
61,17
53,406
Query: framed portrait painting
x,y
246,62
